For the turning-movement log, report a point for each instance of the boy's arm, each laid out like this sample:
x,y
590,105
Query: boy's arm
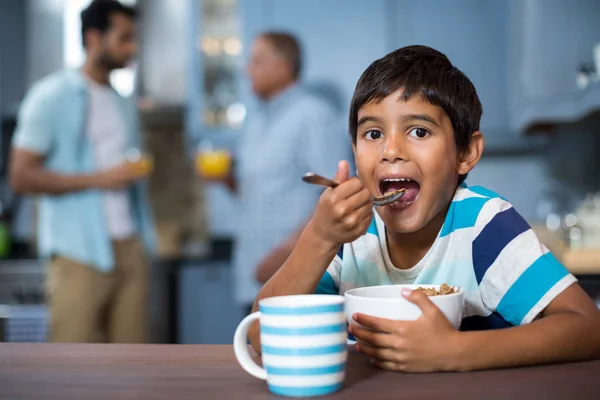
x,y
342,215
568,330
524,283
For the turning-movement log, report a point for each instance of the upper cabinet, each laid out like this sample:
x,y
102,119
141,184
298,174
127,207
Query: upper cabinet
x,y
550,40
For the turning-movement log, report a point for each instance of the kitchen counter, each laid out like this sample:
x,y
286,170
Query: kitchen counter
x,y
582,262
103,371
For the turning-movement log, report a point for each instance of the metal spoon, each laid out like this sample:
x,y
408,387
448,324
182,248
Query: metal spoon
x,y
315,179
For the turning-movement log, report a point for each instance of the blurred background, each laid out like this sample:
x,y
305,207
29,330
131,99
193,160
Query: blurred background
x,y
535,64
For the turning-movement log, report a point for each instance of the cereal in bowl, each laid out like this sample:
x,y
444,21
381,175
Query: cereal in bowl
x,y
444,289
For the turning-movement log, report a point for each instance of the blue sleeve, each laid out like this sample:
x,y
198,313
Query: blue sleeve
x,y
329,283
35,121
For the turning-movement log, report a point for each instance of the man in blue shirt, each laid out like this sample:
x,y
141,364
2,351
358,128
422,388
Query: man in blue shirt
x,y
292,131
93,218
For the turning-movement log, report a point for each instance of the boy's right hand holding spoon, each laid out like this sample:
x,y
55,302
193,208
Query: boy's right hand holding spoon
x,y
343,213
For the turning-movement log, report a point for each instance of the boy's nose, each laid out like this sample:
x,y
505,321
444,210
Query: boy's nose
x,y
394,150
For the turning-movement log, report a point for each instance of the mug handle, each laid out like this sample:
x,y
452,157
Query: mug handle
x,y
240,347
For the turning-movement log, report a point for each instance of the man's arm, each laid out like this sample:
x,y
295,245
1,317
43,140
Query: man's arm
x,y
35,137
28,176
275,259
568,330
231,183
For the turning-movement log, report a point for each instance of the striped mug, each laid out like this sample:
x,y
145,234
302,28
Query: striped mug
x,y
303,340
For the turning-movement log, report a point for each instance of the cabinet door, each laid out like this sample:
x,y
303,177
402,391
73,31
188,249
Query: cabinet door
x,y
549,41
207,312
542,69
548,63
586,29
472,34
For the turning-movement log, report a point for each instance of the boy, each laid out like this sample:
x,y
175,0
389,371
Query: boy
x,y
414,122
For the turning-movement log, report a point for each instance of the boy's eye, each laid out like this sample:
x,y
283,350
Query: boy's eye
x,y
419,133
373,134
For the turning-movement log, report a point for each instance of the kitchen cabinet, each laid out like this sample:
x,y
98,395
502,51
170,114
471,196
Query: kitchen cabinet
x,y
586,29
207,311
549,41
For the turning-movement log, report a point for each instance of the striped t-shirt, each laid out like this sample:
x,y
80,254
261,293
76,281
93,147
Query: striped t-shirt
x,y
484,247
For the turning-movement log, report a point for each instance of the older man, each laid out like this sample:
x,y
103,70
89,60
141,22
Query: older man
x,y
291,132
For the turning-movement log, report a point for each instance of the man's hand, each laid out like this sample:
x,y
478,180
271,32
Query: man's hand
x,y
273,261
116,178
427,344
343,213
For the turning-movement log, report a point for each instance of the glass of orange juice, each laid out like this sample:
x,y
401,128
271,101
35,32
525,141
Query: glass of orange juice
x,y
212,163
141,162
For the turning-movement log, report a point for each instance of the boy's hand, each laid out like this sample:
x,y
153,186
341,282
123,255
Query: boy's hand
x,y
343,213
427,344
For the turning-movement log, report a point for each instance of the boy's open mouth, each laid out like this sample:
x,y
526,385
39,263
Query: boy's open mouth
x,y
388,185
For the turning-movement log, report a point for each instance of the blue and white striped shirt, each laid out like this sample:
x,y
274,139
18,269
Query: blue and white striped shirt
x,y
485,247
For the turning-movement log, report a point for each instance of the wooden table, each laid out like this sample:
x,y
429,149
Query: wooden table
x,y
77,371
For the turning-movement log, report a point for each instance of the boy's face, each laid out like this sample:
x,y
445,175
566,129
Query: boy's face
x,y
408,144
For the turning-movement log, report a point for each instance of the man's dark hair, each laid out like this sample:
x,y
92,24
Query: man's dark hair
x,y
421,70
98,14
287,46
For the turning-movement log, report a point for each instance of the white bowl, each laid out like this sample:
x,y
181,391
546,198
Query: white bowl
x,y
387,302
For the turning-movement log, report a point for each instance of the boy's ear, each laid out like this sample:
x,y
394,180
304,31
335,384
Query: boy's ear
x,y
471,155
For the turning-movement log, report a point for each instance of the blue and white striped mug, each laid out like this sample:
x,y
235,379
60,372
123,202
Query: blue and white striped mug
x,y
303,341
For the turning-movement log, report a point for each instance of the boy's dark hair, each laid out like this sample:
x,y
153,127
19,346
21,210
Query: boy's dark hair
x,y
288,46
421,70
97,15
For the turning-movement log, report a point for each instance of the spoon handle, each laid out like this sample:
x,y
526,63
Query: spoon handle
x,y
315,179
